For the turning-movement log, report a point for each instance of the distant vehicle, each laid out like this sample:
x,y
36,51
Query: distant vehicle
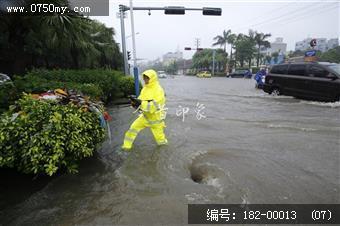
x,y
4,79
204,74
307,80
161,74
240,74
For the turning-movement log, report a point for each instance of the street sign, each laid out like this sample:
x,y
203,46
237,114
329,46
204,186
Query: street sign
x,y
310,53
310,56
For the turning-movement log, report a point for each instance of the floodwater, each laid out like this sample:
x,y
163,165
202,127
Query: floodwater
x,y
245,146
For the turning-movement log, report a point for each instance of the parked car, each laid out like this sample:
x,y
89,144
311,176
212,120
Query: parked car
x,y
204,74
308,80
161,74
240,74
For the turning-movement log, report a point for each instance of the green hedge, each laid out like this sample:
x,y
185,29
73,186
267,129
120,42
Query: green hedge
x,y
8,94
31,84
42,137
97,83
220,74
127,85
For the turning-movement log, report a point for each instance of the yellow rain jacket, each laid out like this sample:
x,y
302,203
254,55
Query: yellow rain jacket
x,y
153,112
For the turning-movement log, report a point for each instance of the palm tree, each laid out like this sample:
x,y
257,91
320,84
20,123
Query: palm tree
x,y
245,48
226,38
251,37
55,41
260,40
222,40
231,40
237,40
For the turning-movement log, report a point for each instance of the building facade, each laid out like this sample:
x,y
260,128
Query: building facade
x,y
172,56
321,44
277,46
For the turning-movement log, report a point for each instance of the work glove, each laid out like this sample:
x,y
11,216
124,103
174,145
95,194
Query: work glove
x,y
135,102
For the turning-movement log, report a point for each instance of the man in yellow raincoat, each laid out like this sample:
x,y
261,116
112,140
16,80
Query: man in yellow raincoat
x,y
151,103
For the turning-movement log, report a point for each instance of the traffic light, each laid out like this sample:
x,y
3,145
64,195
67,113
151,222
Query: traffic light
x,y
207,11
123,8
199,49
129,55
187,48
175,10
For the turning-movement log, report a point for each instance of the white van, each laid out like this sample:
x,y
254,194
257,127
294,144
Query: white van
x,y
161,74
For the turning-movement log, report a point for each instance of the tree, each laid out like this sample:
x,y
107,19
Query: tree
x,y
227,37
55,41
260,40
275,56
296,53
245,48
251,37
221,60
172,68
222,40
332,55
231,41
202,60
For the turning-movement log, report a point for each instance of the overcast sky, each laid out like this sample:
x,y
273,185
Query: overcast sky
x,y
160,33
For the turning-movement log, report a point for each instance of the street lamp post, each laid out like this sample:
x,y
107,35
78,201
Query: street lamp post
x,y
135,68
122,28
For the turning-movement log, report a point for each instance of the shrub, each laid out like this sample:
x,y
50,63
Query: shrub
x,y
219,74
31,84
8,95
42,137
98,83
127,85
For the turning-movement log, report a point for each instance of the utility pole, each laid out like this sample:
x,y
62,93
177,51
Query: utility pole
x,y
184,67
197,42
122,28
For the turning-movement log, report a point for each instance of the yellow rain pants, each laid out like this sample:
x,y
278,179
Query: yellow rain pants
x,y
152,107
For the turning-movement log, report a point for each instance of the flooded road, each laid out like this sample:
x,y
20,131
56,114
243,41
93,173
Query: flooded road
x,y
249,148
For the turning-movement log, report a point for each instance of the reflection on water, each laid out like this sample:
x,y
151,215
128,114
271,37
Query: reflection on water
x,y
251,148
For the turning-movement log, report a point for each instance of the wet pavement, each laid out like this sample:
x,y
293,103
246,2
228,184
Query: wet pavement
x,y
234,144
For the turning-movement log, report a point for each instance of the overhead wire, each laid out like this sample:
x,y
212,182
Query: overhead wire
x,y
323,10
269,12
283,17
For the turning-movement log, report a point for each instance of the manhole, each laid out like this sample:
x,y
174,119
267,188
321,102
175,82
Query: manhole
x,y
197,178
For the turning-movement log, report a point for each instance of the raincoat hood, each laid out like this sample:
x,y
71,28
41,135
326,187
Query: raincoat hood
x,y
152,75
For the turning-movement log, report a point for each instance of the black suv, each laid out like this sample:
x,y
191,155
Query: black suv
x,y
308,80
